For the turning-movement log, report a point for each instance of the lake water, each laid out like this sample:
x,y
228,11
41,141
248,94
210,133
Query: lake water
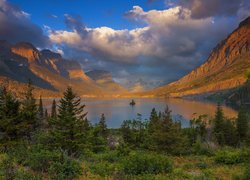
x,y
118,110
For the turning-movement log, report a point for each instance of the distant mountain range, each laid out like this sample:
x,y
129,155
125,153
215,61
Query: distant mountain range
x,y
225,68
105,80
49,72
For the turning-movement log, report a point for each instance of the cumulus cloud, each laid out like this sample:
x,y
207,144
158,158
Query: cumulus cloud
x,y
171,43
16,26
209,8
165,35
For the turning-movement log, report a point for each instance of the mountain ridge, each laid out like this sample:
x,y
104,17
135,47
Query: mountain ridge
x,y
48,71
223,69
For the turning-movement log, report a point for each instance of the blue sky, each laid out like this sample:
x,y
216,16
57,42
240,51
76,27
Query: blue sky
x,y
94,13
144,43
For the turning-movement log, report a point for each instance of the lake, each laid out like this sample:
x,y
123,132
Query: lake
x,y
118,110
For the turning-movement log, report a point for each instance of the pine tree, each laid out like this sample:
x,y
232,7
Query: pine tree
x,y
103,127
30,121
40,109
9,116
153,121
46,115
40,114
69,128
153,127
169,137
242,124
53,109
218,125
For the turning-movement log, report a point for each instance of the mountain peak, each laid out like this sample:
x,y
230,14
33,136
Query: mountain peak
x,y
245,22
25,45
26,50
50,54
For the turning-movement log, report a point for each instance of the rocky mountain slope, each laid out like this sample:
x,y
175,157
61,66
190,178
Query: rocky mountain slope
x,y
224,68
48,71
105,80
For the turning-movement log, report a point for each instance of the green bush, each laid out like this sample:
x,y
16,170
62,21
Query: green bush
x,y
104,168
65,169
246,174
111,157
25,175
141,163
7,168
40,159
229,157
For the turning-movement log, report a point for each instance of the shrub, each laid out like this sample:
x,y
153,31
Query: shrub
x,y
39,159
104,168
140,163
229,157
25,175
65,169
246,174
7,168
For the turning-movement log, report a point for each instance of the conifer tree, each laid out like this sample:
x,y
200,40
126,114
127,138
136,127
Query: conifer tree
x,y
40,109
40,113
53,109
69,129
103,126
9,116
46,115
242,123
169,137
30,121
218,125
153,121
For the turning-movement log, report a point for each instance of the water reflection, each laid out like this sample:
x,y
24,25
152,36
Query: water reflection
x,y
118,110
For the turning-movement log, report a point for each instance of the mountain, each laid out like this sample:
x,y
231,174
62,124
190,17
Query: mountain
x,y
49,72
224,69
105,80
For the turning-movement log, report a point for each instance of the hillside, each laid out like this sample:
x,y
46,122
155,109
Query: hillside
x,y
49,72
224,69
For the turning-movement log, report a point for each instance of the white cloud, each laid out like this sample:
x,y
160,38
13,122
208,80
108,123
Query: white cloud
x,y
170,44
165,34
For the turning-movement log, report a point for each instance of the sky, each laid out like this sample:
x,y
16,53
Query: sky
x,y
144,43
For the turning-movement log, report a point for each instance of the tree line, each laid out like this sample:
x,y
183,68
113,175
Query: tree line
x,y
56,139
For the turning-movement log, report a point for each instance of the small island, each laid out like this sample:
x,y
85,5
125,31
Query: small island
x,y
132,103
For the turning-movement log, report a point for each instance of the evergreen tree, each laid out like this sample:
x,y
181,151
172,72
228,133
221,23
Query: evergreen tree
x,y
230,133
242,124
40,109
30,121
169,137
218,125
103,127
53,109
69,129
46,115
9,116
40,114
153,121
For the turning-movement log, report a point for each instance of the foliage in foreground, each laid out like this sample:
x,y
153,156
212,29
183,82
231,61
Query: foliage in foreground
x,y
64,145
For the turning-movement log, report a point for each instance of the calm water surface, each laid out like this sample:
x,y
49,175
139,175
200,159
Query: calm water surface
x,y
118,110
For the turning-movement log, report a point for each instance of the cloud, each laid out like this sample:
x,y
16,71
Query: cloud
x,y
16,26
171,43
164,35
209,8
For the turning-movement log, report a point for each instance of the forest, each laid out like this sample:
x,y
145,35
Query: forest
x,y
36,143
